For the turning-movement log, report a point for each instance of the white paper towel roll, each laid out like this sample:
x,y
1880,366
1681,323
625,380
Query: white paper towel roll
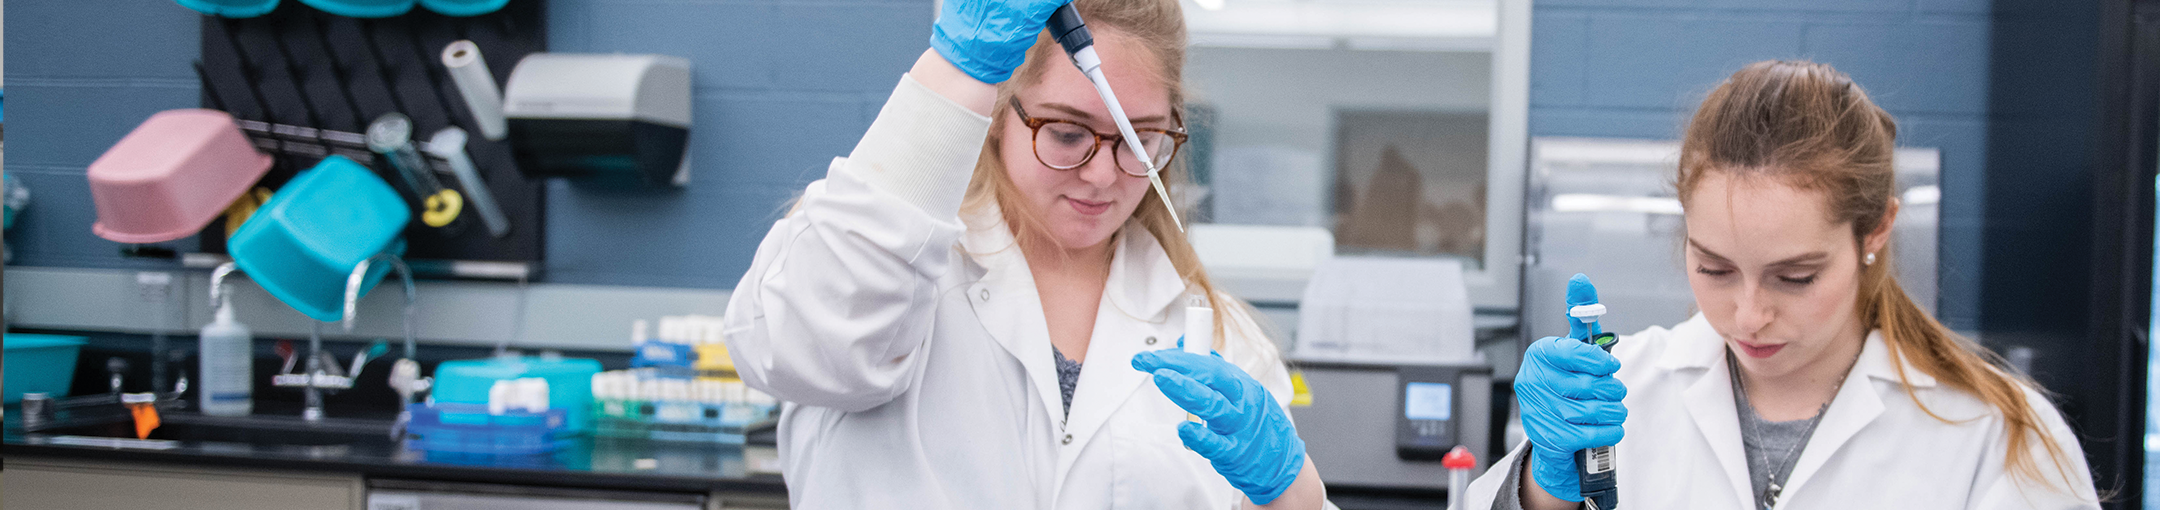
x,y
477,85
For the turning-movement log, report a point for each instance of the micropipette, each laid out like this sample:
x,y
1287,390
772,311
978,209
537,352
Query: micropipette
x,y
1595,466
1072,34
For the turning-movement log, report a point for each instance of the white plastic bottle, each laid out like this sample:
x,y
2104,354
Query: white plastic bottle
x,y
228,366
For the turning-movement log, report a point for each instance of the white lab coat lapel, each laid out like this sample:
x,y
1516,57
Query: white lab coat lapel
x,y
1141,287
1858,403
1710,401
1142,284
1009,308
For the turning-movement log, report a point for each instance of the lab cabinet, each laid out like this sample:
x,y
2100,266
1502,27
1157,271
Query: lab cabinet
x,y
36,483
397,494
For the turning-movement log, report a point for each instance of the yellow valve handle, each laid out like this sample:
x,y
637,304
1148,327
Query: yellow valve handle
x,y
442,207
243,208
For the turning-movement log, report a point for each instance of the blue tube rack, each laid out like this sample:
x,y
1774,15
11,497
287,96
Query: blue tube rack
x,y
470,428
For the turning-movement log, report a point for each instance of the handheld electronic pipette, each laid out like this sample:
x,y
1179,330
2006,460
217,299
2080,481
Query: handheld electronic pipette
x,y
1600,484
1072,34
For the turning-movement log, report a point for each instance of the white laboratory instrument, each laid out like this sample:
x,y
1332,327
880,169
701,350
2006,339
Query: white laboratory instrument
x,y
1395,310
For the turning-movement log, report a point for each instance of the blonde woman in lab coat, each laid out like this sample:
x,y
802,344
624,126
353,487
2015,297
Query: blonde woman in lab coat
x,y
980,307
1809,380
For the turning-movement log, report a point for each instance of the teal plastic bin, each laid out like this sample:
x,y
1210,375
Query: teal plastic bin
x,y
39,364
231,8
463,8
569,383
362,8
303,244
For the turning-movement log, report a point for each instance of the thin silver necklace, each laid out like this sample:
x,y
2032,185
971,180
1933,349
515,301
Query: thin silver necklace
x,y
1774,489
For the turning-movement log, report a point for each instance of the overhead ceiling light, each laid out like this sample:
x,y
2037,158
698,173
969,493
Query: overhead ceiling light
x,y
1408,25
1590,202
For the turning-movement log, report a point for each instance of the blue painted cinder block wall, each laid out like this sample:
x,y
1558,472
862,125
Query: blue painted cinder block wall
x,y
785,85
1638,68
782,87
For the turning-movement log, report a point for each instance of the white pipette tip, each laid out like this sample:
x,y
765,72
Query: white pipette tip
x,y
1091,66
1165,194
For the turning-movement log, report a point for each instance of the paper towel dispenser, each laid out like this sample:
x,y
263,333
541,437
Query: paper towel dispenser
x,y
608,117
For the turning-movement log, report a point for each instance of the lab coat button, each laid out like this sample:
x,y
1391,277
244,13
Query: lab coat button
x,y
1151,340
1067,440
985,294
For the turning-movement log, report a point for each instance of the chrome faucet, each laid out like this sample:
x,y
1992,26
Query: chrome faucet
x,y
405,373
314,379
321,372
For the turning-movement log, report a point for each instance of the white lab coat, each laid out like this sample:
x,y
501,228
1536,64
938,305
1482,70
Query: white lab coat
x,y
912,353
1873,449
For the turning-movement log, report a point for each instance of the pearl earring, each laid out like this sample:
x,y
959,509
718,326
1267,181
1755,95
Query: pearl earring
x,y
1869,261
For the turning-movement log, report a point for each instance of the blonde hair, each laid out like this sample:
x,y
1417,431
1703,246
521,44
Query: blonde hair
x,y
1810,126
1158,28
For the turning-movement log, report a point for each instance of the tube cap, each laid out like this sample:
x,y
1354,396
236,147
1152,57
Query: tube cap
x,y
1459,458
1589,312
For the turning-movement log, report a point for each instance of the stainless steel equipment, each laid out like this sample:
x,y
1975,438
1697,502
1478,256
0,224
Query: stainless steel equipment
x,y
1606,208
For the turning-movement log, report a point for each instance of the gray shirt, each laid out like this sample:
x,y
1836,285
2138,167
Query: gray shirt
x,y
1771,445
1766,452
1068,376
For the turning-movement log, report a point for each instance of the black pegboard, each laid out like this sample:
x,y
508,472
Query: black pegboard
x,y
298,67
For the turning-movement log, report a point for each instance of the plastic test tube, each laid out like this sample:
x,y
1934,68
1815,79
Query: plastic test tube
x,y
1199,331
1458,461
1199,326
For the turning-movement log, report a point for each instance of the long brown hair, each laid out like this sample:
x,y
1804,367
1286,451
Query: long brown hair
x,y
1158,28
1810,126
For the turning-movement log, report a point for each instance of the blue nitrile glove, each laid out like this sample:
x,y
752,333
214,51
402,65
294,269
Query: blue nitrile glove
x,y
1569,399
1247,437
988,39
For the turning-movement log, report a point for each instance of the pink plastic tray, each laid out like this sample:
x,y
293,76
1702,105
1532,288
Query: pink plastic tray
x,y
172,175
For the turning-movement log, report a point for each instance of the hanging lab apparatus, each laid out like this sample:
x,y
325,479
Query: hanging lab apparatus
x,y
407,96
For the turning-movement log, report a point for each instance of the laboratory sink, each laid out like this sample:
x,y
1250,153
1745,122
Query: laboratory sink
x,y
254,430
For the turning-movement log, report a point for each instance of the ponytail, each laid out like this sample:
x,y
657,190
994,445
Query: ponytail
x,y
1812,127
1917,338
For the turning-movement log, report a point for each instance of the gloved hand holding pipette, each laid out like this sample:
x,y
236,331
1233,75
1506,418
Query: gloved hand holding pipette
x,y
1569,398
988,40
